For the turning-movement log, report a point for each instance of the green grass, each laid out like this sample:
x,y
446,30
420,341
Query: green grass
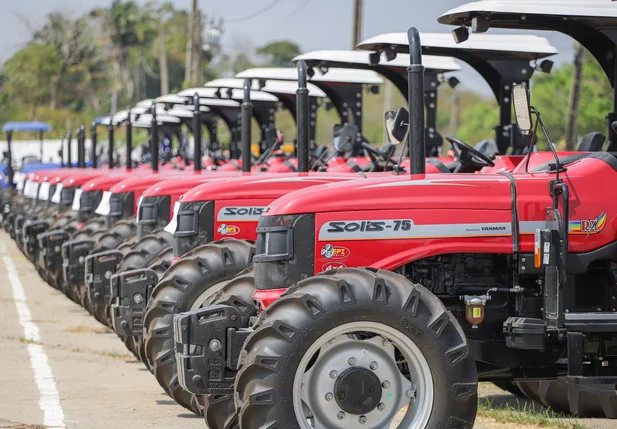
x,y
115,355
526,415
24,340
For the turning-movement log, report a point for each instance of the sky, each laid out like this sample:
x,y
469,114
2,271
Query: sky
x,y
313,24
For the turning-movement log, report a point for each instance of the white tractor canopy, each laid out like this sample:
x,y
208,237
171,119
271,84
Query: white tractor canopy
x,y
144,120
145,103
231,88
362,60
593,23
275,87
494,46
172,99
500,59
333,75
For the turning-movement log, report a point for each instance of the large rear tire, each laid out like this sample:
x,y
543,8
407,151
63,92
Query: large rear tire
x,y
349,326
185,286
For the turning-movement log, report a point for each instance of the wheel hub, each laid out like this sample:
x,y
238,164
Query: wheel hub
x,y
358,391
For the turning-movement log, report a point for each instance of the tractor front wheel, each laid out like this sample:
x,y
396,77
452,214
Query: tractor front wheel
x,y
356,348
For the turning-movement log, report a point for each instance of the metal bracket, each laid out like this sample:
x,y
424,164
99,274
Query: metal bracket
x,y
129,295
206,349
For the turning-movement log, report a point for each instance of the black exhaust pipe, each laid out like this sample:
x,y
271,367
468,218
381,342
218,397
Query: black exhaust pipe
x,y
61,152
197,134
129,142
247,127
93,142
110,144
154,140
9,158
415,92
81,147
69,137
302,119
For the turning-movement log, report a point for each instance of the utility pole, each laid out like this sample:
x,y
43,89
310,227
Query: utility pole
x,y
163,59
137,78
197,47
356,36
575,96
188,65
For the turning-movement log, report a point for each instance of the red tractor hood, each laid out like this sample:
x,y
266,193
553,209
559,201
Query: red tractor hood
x,y
437,191
105,182
81,178
262,186
177,186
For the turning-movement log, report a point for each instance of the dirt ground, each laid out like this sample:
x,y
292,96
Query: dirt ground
x,y
59,366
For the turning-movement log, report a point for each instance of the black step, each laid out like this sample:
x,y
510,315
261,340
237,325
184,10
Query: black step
x,y
591,322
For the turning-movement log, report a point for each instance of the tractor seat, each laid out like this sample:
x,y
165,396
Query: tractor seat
x,y
440,165
592,142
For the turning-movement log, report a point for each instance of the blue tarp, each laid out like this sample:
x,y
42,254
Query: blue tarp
x,y
26,126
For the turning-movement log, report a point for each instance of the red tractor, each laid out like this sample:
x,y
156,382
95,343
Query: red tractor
x,y
472,278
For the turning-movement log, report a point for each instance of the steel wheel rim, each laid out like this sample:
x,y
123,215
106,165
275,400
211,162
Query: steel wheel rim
x,y
420,407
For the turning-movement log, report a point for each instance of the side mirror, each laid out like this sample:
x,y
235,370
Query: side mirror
x,y
344,137
522,109
397,125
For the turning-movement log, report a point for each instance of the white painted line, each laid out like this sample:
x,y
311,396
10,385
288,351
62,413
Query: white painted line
x,y
49,398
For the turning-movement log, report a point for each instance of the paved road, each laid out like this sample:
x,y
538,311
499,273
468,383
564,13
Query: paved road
x,y
60,368
97,383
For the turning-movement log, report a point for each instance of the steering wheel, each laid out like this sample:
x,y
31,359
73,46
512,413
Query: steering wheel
x,y
375,154
468,156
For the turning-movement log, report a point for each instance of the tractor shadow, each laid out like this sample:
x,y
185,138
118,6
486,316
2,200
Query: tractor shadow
x,y
189,416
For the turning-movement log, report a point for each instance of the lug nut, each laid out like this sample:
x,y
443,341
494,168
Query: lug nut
x,y
374,366
138,298
385,384
362,419
381,406
352,361
341,415
215,345
411,393
333,374
329,396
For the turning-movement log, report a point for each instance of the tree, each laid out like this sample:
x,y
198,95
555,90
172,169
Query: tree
x,y
550,95
241,63
26,70
81,64
279,54
478,122
125,26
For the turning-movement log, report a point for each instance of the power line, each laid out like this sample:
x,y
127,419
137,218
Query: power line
x,y
254,14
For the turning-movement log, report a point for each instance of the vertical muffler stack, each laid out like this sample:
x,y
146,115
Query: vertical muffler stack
x,y
129,142
197,134
154,140
93,142
246,132
81,147
302,114
110,144
69,137
415,89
